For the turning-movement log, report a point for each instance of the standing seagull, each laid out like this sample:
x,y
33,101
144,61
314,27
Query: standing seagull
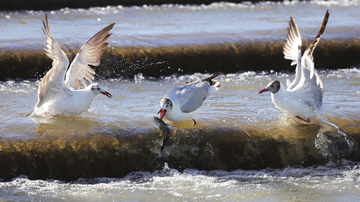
x,y
57,97
303,97
183,102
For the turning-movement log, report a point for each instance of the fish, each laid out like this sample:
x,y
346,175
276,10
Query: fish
x,y
164,130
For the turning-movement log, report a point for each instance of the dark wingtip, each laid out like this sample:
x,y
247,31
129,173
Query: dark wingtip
x,y
318,36
209,79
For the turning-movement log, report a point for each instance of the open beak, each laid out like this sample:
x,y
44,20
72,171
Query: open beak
x,y
162,113
106,93
263,90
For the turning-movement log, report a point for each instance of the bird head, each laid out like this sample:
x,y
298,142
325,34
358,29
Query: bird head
x,y
273,87
166,106
98,88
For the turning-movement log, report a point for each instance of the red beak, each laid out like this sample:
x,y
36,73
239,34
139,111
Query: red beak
x,y
106,93
263,90
162,113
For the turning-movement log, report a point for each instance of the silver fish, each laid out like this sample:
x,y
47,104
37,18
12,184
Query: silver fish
x,y
164,130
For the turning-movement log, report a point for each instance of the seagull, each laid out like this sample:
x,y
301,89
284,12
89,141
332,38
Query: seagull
x,y
304,96
183,102
59,97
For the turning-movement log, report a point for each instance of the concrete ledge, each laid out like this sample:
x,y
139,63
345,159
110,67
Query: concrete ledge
x,y
163,61
69,155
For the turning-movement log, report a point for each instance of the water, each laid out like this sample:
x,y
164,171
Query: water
x,y
242,148
317,183
237,104
181,25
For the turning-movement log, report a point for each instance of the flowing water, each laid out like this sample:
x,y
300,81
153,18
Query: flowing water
x,y
181,24
320,183
237,104
242,147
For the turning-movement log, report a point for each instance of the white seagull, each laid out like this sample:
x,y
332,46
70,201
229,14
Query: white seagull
x,y
183,102
59,97
304,95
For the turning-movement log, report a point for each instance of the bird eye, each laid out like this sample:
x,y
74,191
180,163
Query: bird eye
x,y
272,86
98,88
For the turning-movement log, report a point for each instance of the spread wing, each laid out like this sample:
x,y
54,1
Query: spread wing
x,y
310,87
292,50
90,53
53,81
292,43
191,96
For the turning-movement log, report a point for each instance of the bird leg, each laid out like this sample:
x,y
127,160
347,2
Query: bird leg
x,y
307,120
194,122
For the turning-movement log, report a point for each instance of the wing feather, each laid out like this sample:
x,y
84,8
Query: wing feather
x,y
89,54
54,78
310,86
292,42
310,49
292,50
193,96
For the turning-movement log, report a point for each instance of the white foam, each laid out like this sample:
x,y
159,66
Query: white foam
x,y
304,183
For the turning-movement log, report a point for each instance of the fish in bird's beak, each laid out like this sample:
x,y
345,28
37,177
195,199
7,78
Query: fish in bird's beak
x,y
263,90
162,113
106,93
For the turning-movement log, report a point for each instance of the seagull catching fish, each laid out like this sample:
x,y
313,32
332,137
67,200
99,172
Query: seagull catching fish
x,y
59,97
183,102
304,95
